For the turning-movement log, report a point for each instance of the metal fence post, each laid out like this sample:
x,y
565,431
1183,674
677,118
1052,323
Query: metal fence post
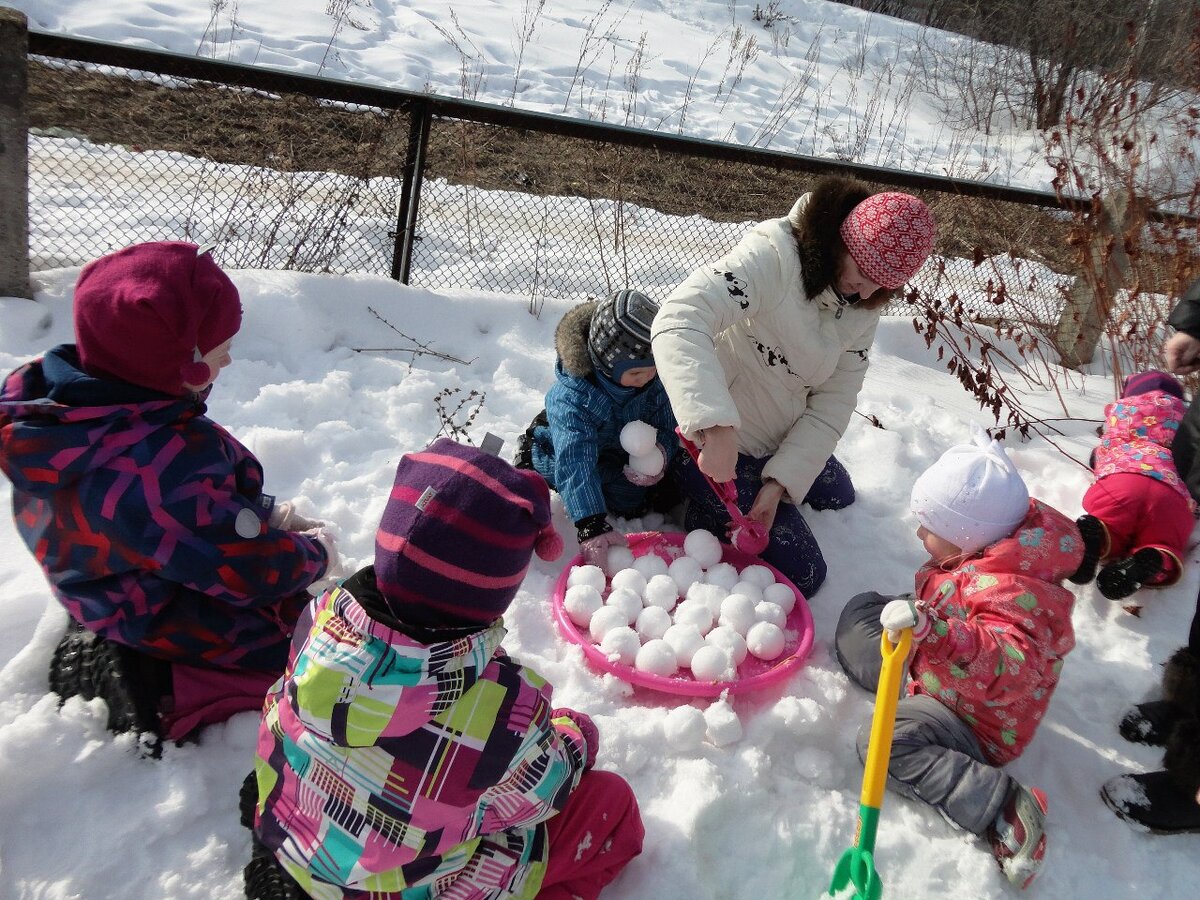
x,y
410,189
14,155
1106,270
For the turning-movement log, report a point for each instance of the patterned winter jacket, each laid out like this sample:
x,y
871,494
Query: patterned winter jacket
x,y
581,445
1001,625
149,519
398,769
1137,437
740,343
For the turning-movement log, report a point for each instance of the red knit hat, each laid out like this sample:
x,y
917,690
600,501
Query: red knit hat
x,y
457,535
889,236
146,314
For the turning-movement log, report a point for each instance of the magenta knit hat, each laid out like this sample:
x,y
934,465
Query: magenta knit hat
x,y
1151,380
457,535
889,236
146,314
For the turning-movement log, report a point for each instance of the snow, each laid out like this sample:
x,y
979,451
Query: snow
x,y
763,804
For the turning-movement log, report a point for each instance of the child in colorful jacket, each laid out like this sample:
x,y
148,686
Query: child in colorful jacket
x,y
604,378
404,754
182,579
991,624
1139,513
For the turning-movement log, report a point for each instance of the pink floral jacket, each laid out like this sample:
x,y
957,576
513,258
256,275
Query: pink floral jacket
x,y
1137,436
1000,627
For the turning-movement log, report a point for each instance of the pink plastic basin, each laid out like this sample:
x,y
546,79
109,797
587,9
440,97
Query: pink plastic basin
x,y
752,674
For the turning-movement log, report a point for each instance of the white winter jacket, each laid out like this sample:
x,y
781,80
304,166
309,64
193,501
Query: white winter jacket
x,y
739,343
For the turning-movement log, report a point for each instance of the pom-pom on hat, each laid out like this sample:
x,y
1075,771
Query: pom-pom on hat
x,y
890,236
1152,380
148,313
619,334
972,496
457,535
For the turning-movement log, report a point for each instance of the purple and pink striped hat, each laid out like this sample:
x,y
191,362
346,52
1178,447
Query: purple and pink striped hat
x,y
457,535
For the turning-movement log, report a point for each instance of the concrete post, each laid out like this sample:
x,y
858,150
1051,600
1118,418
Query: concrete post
x,y
14,155
1106,270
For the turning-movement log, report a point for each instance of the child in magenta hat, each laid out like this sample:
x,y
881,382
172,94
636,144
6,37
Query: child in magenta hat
x,y
991,625
181,577
1139,513
404,753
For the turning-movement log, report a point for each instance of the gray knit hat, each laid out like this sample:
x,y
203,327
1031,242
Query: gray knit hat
x,y
619,336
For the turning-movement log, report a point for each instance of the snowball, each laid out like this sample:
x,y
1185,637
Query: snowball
x,y
766,611
627,601
711,595
722,574
638,438
656,658
685,640
737,612
653,521
590,575
696,613
661,591
581,602
781,594
723,725
650,565
618,558
629,579
621,644
686,572
652,622
650,464
711,663
703,547
759,575
605,620
765,640
747,589
728,640
684,728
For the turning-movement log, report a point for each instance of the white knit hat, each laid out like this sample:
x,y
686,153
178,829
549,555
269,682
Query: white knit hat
x,y
973,496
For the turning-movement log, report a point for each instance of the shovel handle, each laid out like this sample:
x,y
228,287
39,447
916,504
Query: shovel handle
x,y
883,721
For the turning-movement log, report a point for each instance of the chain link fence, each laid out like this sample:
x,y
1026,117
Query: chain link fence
x,y
307,179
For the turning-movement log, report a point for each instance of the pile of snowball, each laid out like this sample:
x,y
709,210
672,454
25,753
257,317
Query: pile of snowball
x,y
696,612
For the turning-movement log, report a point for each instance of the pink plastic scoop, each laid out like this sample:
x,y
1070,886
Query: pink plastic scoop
x,y
745,533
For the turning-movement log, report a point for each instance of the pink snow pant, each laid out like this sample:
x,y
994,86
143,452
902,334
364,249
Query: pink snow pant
x,y
1140,511
204,696
593,838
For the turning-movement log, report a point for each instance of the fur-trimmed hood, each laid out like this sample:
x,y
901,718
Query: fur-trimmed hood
x,y
571,340
816,226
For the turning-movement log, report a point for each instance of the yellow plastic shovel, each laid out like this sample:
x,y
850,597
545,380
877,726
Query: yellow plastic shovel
x,y
857,864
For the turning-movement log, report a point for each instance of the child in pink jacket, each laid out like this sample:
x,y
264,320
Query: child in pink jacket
x,y
991,623
1138,511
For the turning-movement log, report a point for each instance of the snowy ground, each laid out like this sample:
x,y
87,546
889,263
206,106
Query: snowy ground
x,y
765,816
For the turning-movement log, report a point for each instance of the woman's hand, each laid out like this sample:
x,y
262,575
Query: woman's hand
x,y
718,453
766,504
1182,354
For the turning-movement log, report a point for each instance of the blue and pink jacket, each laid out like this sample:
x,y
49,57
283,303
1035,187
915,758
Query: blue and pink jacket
x,y
149,519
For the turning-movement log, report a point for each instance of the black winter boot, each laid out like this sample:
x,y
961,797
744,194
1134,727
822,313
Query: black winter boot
x,y
248,800
1095,541
264,879
1119,579
523,458
1150,722
1154,802
130,683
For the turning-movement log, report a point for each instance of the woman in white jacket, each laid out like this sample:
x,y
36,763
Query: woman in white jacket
x,y
763,353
